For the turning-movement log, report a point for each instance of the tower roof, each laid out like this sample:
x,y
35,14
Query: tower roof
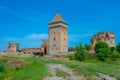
x,y
57,18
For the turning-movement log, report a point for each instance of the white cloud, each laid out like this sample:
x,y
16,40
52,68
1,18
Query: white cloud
x,y
37,36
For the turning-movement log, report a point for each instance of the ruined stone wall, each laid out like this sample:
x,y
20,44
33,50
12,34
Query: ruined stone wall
x,y
107,37
44,48
12,47
31,50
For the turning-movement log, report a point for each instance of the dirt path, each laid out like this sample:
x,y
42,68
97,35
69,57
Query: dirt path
x,y
53,70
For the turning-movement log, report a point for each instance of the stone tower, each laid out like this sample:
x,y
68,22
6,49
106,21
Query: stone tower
x,y
58,35
12,47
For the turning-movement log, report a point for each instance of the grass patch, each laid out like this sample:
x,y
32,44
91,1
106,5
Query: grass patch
x,y
32,70
60,73
36,68
89,69
36,71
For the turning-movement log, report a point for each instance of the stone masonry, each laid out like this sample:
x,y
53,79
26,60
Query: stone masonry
x,y
12,47
58,35
107,37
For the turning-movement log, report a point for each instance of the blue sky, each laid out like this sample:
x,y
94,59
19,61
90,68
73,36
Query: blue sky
x,y
26,21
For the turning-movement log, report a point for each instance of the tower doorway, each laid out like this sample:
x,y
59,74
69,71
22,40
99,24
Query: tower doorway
x,y
45,50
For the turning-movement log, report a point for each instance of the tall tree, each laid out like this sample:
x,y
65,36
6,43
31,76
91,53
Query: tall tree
x,y
87,47
80,53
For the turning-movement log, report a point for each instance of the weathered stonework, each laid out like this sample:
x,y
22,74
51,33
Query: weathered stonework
x,y
12,47
107,37
58,39
43,49
58,35
44,46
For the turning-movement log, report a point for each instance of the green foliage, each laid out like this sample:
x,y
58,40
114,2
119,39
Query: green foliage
x,y
102,51
118,48
2,67
87,47
2,70
103,54
80,53
72,57
100,45
112,49
115,56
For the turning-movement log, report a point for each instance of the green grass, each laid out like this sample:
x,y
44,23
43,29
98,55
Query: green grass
x,y
60,73
89,69
35,70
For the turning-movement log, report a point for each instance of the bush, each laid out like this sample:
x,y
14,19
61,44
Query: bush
x,y
101,57
118,48
87,47
102,51
2,67
115,56
103,54
100,45
80,53
72,57
112,49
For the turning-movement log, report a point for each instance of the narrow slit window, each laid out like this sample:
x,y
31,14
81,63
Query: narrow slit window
x,y
54,39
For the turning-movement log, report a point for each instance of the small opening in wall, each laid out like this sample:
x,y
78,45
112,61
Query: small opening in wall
x,y
54,45
54,39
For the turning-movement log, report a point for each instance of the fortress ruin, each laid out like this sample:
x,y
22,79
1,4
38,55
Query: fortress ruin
x,y
107,37
12,47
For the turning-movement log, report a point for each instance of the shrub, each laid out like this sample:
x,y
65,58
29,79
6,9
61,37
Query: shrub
x,y
101,57
102,51
103,54
2,67
112,49
87,47
80,53
100,45
115,56
118,48
72,57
